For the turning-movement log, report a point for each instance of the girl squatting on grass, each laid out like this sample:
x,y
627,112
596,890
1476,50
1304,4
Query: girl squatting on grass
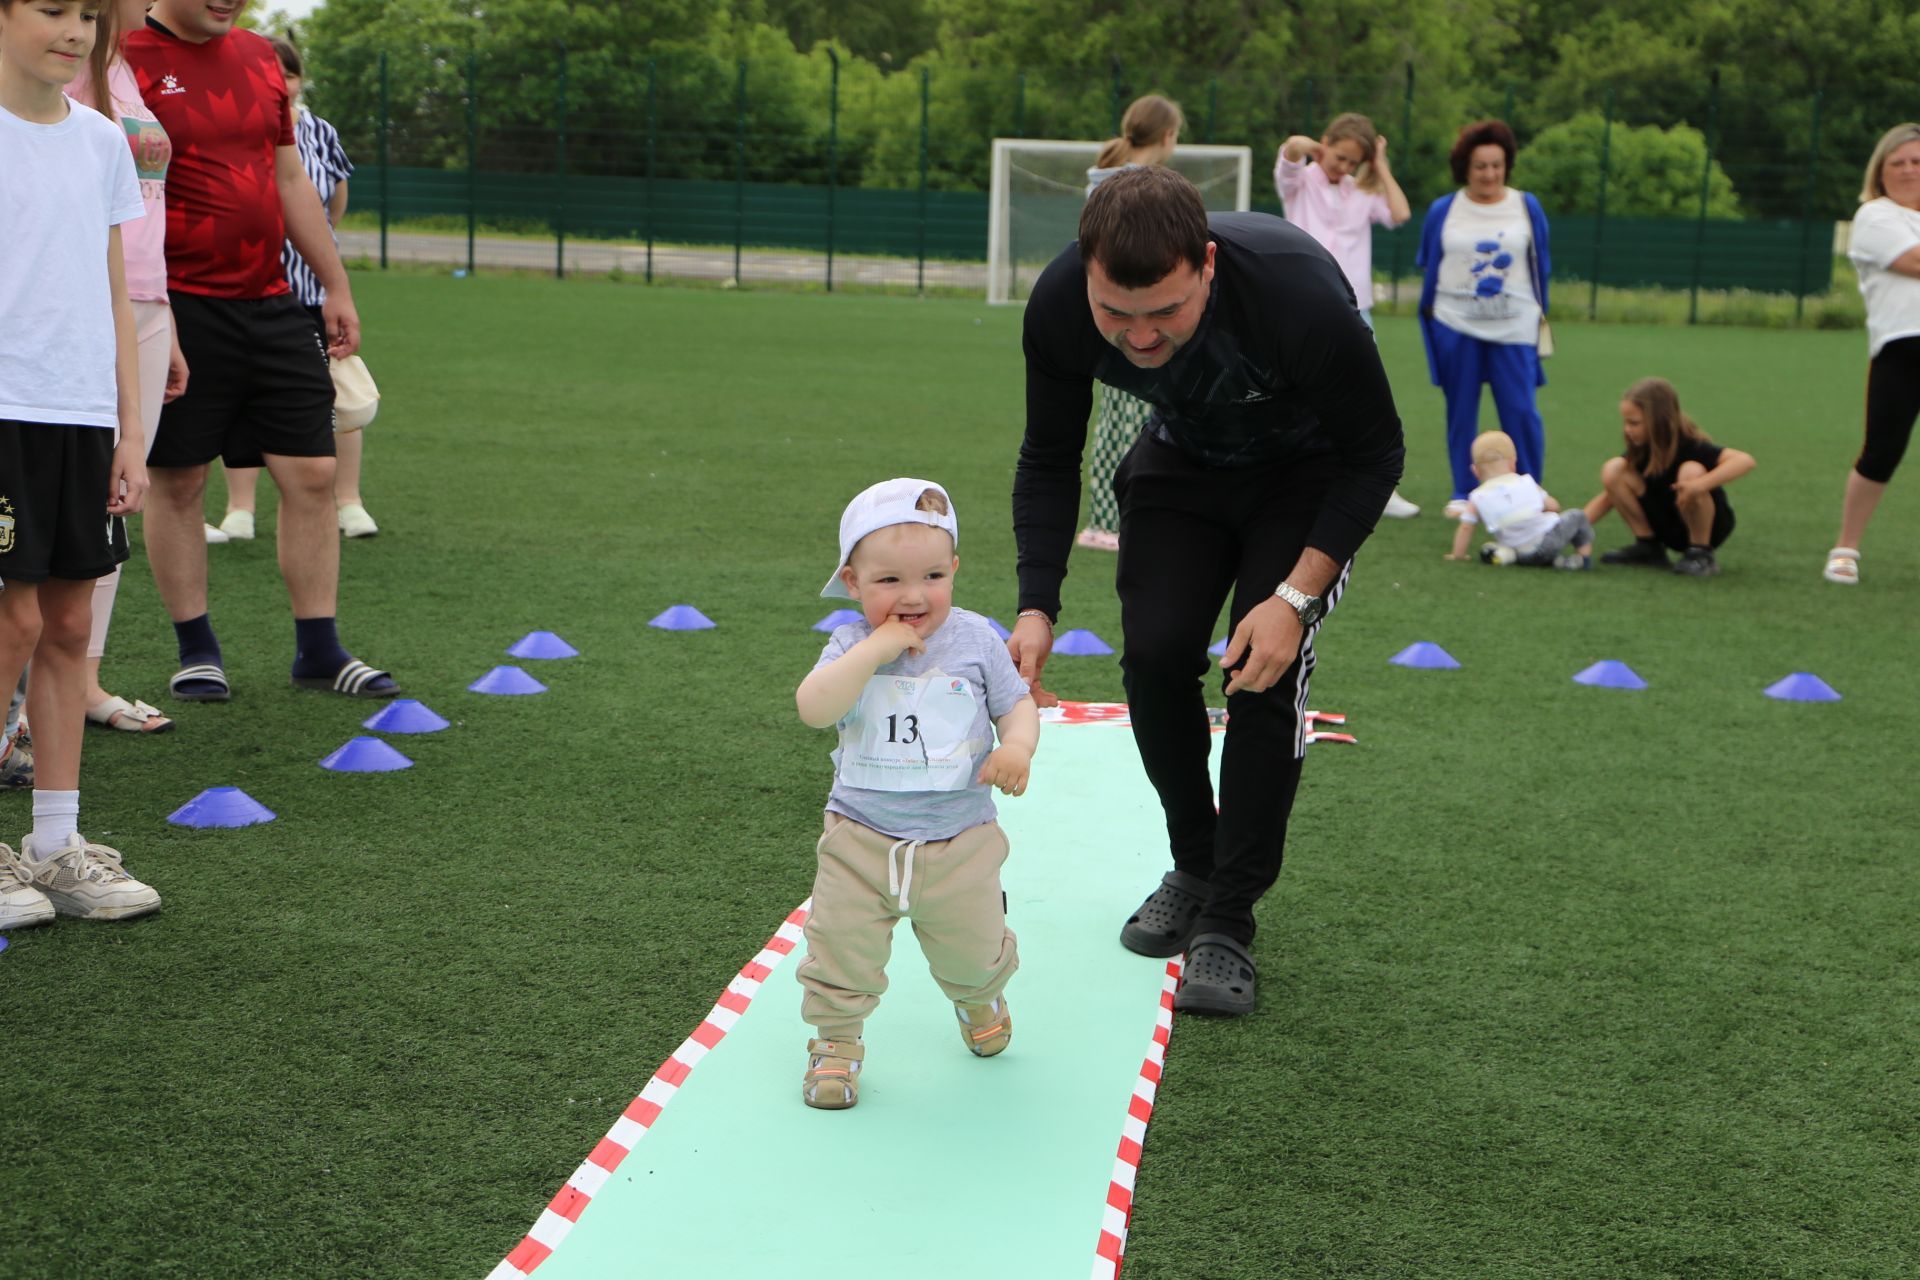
x,y
69,376
1668,485
916,689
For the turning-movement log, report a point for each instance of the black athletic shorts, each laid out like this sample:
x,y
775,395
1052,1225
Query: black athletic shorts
x,y
257,383
1670,527
53,503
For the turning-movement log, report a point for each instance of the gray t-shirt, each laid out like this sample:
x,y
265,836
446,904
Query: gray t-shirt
x,y
909,750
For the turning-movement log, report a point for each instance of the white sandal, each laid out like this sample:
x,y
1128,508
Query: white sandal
x,y
1843,566
130,717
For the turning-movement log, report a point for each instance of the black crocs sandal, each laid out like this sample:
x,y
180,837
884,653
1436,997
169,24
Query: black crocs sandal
x,y
1219,977
1165,920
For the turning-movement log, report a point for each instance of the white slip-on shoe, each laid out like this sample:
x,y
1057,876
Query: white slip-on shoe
x,y
216,536
356,523
1398,508
21,905
1455,508
86,880
238,526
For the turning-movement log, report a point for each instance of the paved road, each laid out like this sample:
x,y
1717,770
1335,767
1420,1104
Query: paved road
x,y
599,257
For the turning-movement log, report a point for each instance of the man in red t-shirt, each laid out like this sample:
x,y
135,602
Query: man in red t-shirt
x,y
258,386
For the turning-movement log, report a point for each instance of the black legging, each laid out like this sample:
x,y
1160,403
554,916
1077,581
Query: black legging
x,y
1189,535
1893,402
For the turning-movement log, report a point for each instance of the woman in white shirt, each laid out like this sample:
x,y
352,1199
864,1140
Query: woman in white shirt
x,y
1885,248
1484,300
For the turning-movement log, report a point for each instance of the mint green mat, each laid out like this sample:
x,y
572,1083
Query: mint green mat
x,y
950,1162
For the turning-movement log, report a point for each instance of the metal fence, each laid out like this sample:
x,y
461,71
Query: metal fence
x,y
814,170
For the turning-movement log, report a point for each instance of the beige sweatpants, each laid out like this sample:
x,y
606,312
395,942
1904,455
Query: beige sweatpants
x,y
867,881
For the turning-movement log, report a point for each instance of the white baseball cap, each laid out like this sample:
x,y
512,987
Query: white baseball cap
x,y
888,503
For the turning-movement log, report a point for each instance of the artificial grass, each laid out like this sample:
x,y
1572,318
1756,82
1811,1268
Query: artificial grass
x,y
1558,981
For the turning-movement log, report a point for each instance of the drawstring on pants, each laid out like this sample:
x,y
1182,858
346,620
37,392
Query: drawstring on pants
x,y
898,880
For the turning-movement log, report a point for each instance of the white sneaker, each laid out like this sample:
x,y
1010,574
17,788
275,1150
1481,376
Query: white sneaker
x,y
1455,508
216,535
86,880
1398,508
238,526
21,905
356,523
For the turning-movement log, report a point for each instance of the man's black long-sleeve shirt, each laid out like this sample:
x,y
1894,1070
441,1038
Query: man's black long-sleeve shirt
x,y
1281,368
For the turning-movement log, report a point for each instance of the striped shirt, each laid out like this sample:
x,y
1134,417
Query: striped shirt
x,y
325,161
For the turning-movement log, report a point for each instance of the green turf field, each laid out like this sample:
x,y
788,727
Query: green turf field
x,y
1559,981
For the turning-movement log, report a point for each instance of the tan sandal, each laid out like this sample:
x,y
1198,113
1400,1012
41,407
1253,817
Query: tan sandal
x,y
1843,566
832,1081
129,717
986,1028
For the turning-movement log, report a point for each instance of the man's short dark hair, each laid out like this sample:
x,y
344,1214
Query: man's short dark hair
x,y
1481,133
1142,223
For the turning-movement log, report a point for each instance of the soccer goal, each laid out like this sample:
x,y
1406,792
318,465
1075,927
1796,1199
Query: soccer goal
x,y
1039,186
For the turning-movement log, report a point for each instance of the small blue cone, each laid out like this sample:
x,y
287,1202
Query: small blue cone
x,y
838,618
1802,686
682,617
997,629
3,944
366,755
404,715
1609,674
1081,644
1426,656
1219,647
507,681
221,807
542,645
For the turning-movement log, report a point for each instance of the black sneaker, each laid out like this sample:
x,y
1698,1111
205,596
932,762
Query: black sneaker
x,y
1697,562
1647,551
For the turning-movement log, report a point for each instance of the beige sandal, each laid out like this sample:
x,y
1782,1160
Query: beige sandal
x,y
832,1081
1843,566
129,717
986,1028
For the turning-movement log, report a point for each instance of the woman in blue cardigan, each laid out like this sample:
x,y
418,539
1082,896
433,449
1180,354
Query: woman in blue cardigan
x,y
1484,301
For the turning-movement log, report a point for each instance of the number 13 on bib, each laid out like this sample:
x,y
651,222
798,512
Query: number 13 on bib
x,y
912,733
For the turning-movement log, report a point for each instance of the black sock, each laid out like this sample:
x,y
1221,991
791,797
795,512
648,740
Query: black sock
x,y
316,648
197,642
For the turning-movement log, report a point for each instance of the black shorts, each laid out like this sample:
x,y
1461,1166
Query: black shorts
x,y
1663,513
53,503
257,383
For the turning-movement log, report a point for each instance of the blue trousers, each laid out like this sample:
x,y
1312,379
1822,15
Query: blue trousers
x,y
1513,371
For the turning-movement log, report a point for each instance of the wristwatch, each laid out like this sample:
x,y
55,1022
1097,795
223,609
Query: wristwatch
x,y
1310,608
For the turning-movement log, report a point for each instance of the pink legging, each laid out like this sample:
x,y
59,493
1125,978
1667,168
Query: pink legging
x,y
153,329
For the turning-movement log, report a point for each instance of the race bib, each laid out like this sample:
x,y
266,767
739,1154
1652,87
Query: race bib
x,y
911,733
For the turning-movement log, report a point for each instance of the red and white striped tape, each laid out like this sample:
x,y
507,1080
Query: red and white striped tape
x,y
557,1219
1112,1249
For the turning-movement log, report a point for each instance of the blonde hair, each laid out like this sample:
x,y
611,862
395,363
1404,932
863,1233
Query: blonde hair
x,y
1872,188
1667,426
1489,445
1146,122
1354,127
932,500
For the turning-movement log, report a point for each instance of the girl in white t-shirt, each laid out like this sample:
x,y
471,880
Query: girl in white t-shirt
x,y
1885,249
68,378
107,85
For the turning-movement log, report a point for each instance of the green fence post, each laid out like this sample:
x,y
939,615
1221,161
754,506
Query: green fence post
x,y
560,168
1306,125
473,150
1506,112
1213,106
1706,180
1600,213
1119,92
386,158
1806,206
920,278
653,123
1399,241
833,156
740,171
1020,106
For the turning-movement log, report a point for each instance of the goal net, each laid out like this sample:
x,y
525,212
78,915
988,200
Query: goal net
x,y
1039,186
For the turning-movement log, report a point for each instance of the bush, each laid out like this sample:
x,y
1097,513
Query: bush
x,y
1651,172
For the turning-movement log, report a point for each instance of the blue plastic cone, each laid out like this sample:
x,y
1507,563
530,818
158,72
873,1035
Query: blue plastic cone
x,y
542,645
682,617
3,944
994,625
1425,655
1802,686
1219,647
366,755
1609,674
838,618
507,681
404,715
221,807
1081,644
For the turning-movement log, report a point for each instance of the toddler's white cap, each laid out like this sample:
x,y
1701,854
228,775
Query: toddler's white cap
x,y
887,503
